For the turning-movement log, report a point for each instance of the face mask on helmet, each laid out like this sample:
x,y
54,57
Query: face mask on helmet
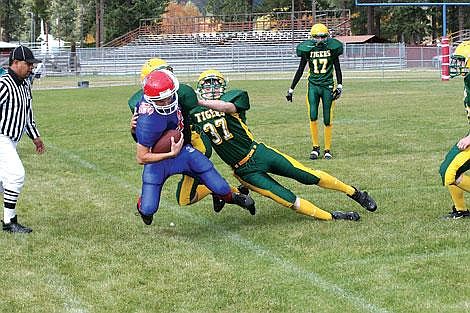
x,y
211,85
160,89
458,66
460,60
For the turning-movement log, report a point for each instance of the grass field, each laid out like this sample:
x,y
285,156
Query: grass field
x,y
90,253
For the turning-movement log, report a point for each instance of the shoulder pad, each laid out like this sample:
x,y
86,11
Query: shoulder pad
x,y
134,99
238,97
336,46
305,47
187,98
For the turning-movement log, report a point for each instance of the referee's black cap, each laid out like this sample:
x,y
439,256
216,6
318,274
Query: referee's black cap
x,y
22,53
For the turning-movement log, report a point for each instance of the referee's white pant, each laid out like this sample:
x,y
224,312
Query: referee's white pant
x,y
11,168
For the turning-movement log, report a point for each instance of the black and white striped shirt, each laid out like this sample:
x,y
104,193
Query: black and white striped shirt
x,y
16,112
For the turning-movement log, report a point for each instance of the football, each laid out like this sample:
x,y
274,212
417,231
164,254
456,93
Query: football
x,y
164,143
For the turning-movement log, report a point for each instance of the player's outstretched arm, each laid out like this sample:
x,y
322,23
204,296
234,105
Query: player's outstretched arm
x,y
218,105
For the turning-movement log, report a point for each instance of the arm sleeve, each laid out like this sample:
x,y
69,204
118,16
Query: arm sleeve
x,y
339,74
300,71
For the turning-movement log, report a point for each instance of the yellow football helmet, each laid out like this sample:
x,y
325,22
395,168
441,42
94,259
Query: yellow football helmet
x,y
153,64
211,84
319,31
460,60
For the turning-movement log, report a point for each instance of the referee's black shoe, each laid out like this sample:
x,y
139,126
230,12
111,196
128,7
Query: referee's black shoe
x,y
15,227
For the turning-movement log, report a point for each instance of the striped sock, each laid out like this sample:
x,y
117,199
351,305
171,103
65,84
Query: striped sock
x,y
9,199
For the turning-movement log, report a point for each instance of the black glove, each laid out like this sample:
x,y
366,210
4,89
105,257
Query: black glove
x,y
337,92
290,92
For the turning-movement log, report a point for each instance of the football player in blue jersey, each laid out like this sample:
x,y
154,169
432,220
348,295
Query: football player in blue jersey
x,y
159,111
190,189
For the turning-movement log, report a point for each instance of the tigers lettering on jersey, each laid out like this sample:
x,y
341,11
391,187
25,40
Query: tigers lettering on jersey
x,y
320,54
206,115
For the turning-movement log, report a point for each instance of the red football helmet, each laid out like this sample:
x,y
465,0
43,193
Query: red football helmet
x,y
160,89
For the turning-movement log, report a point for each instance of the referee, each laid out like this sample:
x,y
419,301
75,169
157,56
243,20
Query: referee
x,y
16,117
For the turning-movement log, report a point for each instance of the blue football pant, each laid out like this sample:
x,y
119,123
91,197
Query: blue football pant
x,y
189,162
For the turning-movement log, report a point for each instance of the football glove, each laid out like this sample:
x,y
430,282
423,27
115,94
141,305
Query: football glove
x,y
290,92
337,92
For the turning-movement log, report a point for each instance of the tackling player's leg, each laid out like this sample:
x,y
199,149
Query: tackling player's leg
x,y
285,165
265,185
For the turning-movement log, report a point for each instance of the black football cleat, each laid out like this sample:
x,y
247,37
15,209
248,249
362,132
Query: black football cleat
x,y
15,227
244,201
363,198
315,154
327,155
455,214
244,190
217,203
349,216
147,219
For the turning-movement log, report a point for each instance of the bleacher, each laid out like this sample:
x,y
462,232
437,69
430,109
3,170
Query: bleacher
x,y
235,47
256,29
222,38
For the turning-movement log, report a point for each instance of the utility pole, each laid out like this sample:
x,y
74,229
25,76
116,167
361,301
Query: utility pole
x,y
99,23
81,25
314,11
292,26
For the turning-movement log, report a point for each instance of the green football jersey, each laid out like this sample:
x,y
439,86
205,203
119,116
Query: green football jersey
x,y
134,99
466,95
230,136
320,59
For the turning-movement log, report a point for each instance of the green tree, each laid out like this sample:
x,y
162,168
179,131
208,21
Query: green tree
x,y
65,19
122,16
12,21
406,24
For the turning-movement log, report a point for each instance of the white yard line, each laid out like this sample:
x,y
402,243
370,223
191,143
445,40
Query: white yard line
x,y
262,252
59,284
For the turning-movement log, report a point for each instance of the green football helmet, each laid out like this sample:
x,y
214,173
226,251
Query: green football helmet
x,y
460,60
211,84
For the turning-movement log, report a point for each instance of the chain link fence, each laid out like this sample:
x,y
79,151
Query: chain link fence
x,y
121,66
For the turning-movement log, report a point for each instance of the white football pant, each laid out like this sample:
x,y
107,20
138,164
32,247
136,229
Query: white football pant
x,y
11,168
